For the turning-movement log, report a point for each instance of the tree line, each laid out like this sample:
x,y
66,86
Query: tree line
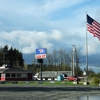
x,y
11,57
58,60
61,60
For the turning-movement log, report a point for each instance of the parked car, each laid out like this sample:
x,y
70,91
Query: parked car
x,y
72,78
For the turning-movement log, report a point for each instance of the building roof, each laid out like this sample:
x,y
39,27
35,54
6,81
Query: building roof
x,y
3,70
14,70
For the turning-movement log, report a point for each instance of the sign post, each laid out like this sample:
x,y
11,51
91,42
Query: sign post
x,y
40,61
40,55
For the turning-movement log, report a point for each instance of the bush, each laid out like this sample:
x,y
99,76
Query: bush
x,y
95,81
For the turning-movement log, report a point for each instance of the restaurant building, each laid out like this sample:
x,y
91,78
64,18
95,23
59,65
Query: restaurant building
x,y
14,74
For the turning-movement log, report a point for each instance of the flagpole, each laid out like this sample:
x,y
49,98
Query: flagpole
x,y
86,50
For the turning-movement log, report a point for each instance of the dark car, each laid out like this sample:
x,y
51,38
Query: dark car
x,y
72,78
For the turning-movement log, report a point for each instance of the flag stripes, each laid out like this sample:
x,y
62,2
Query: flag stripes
x,y
93,27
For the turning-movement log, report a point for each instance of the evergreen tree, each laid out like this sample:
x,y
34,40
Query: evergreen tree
x,y
11,57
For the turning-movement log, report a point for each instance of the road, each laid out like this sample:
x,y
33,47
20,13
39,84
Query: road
x,y
42,92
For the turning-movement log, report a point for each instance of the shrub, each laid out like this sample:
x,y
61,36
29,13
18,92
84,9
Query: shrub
x,y
95,81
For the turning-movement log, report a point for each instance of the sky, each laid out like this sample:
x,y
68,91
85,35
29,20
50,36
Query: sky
x,y
30,24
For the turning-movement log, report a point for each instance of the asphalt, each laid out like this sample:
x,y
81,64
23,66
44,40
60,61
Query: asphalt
x,y
42,92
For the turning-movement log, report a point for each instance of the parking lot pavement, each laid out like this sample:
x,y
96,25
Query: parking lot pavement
x,y
41,92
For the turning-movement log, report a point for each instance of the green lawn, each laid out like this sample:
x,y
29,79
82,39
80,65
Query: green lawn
x,y
61,83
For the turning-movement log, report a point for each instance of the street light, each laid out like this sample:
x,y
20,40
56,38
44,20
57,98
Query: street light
x,y
73,69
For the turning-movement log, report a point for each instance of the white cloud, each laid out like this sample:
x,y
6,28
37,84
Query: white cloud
x,y
35,8
28,41
56,34
92,45
30,24
57,4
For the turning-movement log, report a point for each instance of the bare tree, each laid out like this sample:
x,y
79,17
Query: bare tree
x,y
67,60
77,61
55,58
50,60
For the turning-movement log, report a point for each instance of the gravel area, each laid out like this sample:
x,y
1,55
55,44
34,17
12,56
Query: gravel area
x,y
42,92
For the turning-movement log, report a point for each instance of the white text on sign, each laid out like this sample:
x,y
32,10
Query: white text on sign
x,y
40,56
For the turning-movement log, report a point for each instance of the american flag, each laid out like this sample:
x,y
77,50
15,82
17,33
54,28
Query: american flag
x,y
93,27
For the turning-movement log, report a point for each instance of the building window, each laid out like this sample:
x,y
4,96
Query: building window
x,y
18,75
24,75
7,74
13,75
